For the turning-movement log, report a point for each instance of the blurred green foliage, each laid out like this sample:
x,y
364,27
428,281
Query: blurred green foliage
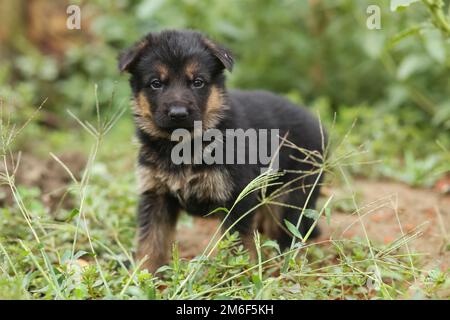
x,y
311,51
393,81
315,48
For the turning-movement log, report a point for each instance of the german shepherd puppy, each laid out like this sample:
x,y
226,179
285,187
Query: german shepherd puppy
x,y
177,78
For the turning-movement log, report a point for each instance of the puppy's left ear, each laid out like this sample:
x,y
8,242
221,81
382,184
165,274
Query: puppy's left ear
x,y
223,54
130,56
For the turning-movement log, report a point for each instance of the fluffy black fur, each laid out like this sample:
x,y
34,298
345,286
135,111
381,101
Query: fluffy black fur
x,y
166,56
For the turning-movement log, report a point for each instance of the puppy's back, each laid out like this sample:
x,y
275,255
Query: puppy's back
x,y
261,109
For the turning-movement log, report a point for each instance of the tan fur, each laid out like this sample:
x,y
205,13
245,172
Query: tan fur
x,y
142,44
269,221
266,221
190,70
210,44
213,114
249,244
211,184
214,109
154,245
163,71
141,107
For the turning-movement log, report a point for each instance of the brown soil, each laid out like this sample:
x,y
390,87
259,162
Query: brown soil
x,y
47,175
387,209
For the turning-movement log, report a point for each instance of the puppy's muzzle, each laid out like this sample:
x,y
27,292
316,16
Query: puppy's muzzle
x,y
178,113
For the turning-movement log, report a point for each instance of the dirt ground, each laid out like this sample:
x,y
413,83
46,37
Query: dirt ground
x,y
49,176
387,210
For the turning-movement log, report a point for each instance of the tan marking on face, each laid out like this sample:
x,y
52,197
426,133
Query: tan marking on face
x,y
214,108
191,69
163,71
143,105
143,117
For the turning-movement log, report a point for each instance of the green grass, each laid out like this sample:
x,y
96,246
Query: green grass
x,y
51,269
397,75
86,253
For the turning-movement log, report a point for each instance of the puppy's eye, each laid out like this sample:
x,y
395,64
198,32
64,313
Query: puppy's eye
x,y
198,83
156,84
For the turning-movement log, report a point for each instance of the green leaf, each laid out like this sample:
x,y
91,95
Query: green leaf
x,y
373,44
73,214
412,64
220,209
435,45
271,244
311,213
293,229
81,253
66,255
442,115
410,31
398,4
163,269
151,293
257,282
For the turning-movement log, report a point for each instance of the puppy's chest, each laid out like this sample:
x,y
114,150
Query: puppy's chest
x,y
187,185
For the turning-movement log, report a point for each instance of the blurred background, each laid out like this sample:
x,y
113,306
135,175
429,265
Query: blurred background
x,y
67,184
393,81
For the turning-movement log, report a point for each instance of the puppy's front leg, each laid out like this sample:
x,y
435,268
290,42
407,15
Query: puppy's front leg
x,y
157,217
242,220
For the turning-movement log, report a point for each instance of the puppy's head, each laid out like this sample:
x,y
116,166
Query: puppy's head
x,y
176,78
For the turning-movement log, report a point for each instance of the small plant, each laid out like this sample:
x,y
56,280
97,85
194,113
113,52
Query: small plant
x,y
88,255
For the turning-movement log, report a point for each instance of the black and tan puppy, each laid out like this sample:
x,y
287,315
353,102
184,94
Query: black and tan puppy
x,y
177,77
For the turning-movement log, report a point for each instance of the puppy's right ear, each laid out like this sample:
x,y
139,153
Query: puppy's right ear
x,y
130,56
224,55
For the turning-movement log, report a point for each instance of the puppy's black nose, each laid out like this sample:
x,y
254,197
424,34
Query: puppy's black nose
x,y
178,113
